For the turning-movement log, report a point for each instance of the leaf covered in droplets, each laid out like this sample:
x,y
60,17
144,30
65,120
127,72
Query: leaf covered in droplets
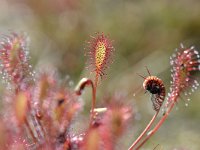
x,y
99,53
185,62
14,57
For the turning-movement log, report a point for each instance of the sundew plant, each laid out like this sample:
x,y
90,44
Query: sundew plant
x,y
38,111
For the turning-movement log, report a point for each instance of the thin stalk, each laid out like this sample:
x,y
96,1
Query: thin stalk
x,y
79,88
42,128
37,127
38,117
30,130
94,91
144,131
159,124
94,87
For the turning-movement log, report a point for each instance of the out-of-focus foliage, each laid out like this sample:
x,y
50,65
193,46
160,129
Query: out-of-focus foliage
x,y
144,33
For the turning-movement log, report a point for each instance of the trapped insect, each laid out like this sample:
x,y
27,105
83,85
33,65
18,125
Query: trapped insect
x,y
156,87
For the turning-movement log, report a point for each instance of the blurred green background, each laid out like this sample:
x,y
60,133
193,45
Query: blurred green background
x,y
145,33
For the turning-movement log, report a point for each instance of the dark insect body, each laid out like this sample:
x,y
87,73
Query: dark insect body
x,y
156,87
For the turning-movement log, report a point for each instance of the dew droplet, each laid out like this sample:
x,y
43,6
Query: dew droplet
x,y
149,132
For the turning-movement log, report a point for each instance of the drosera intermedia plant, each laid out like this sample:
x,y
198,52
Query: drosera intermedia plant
x,y
156,87
40,109
99,51
37,108
185,63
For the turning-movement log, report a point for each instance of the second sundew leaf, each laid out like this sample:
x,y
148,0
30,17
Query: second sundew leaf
x,y
100,50
185,62
14,57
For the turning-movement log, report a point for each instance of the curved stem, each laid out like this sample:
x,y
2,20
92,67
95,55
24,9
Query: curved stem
x,y
144,132
93,101
79,88
158,125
